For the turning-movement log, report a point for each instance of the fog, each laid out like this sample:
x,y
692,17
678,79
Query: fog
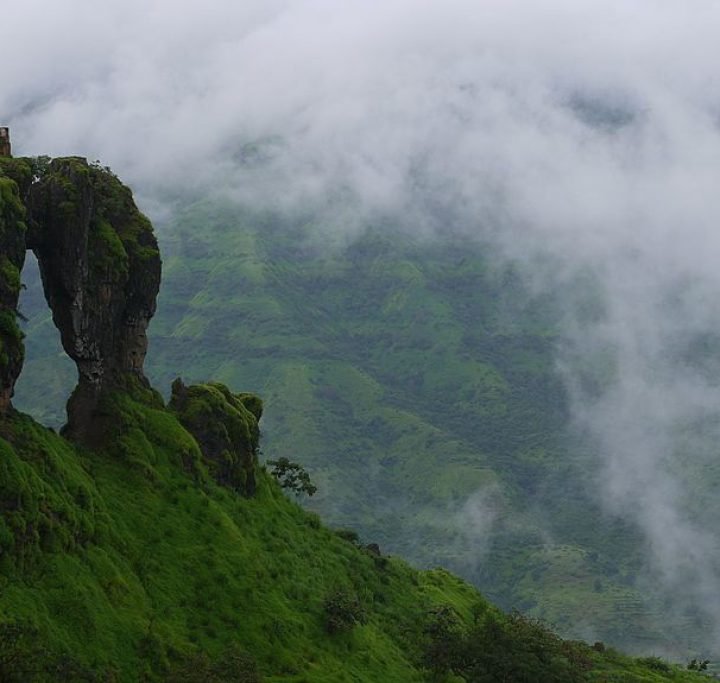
x,y
581,130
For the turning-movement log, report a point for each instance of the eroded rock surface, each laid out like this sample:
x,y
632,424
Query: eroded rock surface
x,y
100,268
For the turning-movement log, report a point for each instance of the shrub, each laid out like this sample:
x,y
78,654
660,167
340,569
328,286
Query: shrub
x,y
234,664
292,476
348,535
343,611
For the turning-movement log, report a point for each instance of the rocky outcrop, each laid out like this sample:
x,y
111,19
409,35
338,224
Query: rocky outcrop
x,y
13,175
225,426
100,268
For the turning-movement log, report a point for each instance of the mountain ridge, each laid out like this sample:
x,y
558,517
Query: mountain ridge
x,y
147,543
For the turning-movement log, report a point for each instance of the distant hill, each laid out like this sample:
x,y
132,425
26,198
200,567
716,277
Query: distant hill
x,y
416,380
147,542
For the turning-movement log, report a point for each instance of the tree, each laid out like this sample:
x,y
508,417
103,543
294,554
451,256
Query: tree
x,y
291,475
698,665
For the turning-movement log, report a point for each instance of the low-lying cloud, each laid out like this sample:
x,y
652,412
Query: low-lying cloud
x,y
587,131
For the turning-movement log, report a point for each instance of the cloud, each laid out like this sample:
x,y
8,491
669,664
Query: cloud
x,y
583,130
363,93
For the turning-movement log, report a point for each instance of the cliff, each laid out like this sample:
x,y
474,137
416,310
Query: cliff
x,y
12,257
100,267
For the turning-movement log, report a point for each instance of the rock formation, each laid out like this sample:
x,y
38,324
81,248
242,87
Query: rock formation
x,y
225,426
12,257
100,268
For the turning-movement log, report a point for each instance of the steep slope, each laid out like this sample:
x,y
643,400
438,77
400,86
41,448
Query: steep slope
x,y
416,381
87,577
148,544
132,563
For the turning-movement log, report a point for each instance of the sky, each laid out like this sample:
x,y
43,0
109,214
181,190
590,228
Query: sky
x,y
585,131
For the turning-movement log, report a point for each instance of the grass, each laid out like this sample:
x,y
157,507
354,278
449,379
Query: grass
x,y
85,571
411,379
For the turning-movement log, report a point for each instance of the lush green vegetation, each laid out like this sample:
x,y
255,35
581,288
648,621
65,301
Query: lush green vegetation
x,y
133,560
166,552
415,381
12,256
134,564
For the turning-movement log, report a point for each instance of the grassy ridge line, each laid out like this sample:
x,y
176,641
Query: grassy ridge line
x,y
126,562
416,382
132,564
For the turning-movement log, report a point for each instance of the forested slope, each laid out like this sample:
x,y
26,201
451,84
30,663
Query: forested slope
x,y
146,542
416,380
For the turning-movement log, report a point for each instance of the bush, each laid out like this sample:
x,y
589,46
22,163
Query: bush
x,y
343,611
291,475
234,664
656,664
501,648
348,535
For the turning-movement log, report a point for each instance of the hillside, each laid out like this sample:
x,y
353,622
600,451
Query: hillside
x,y
224,587
416,380
147,543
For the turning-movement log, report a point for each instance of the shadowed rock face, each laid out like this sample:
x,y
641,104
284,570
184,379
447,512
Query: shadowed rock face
x,y
100,268
13,177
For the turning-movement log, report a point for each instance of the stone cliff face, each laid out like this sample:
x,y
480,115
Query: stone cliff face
x,y
12,258
100,268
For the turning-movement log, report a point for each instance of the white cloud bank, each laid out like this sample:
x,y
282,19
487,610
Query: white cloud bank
x,y
587,129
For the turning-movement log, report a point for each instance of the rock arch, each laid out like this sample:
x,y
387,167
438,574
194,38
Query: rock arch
x,y
100,268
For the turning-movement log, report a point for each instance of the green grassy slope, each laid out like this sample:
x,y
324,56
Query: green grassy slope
x,y
133,564
416,381
128,562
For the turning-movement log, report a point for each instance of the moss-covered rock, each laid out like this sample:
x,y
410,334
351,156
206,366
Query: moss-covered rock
x,y
12,257
100,268
21,171
225,426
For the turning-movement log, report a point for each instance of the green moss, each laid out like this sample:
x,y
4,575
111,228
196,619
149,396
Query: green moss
x,y
253,403
106,252
115,207
12,212
226,429
9,275
8,325
11,346
19,170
